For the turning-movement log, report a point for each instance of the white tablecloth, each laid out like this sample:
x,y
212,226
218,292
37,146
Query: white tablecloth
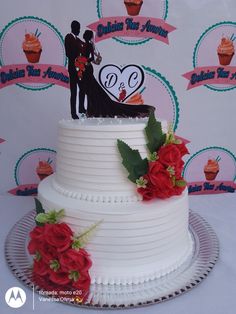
x,y
215,295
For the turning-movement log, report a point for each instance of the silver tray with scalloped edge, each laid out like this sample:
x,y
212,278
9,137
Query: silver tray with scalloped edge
x,y
189,275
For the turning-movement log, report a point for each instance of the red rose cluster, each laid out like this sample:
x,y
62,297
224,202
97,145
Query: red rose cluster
x,y
56,262
164,178
80,63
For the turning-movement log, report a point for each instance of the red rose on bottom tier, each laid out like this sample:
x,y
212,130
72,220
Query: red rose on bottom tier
x,y
75,259
58,235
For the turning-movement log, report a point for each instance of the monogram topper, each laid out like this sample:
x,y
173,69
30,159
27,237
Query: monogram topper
x,y
121,83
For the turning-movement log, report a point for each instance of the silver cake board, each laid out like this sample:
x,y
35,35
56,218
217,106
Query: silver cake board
x,y
190,274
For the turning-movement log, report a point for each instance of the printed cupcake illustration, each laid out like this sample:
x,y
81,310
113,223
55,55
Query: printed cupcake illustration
x,y
226,50
44,169
133,7
136,99
212,168
32,47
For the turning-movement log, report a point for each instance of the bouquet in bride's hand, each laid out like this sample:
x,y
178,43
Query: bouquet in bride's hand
x,y
80,64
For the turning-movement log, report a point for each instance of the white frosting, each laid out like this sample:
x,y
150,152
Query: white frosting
x,y
135,241
89,165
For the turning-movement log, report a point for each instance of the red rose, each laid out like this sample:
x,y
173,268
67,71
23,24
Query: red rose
x,y
147,193
82,284
75,260
37,233
154,168
179,168
160,179
47,252
179,189
59,277
33,246
169,155
37,237
59,236
40,267
182,149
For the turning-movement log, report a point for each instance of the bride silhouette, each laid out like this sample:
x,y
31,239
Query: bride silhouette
x,y
99,104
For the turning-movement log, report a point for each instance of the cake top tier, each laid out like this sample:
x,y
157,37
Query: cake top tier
x,y
100,124
89,165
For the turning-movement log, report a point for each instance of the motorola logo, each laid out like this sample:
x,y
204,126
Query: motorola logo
x,y
15,297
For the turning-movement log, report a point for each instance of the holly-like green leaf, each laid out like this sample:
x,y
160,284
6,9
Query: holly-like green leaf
x,y
156,138
132,161
39,209
180,183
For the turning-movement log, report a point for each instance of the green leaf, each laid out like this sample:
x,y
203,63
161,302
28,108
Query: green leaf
x,y
39,209
74,275
156,138
41,218
38,206
54,265
132,161
81,240
180,183
51,217
54,216
37,256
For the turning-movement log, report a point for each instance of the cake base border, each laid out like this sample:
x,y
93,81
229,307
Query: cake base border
x,y
186,277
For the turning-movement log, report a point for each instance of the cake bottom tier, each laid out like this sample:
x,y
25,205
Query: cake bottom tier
x,y
134,242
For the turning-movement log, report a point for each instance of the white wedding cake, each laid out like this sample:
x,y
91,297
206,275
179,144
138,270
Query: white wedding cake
x,y
135,240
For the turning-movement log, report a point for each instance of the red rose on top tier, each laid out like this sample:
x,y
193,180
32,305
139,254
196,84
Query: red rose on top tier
x,y
182,149
148,192
169,155
58,235
160,179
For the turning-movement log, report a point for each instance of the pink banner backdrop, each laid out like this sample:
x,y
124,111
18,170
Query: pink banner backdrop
x,y
124,26
211,75
30,73
213,187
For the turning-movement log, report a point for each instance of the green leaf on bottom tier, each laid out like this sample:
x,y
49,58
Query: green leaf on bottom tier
x,y
39,210
156,138
132,161
82,239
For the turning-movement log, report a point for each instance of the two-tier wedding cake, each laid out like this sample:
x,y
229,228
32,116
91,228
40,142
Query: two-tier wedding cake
x,y
135,240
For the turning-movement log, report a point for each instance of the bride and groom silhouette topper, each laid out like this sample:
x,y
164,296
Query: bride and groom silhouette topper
x,y
99,104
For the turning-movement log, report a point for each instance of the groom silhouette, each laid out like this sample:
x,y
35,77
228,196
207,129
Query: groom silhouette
x,y
73,47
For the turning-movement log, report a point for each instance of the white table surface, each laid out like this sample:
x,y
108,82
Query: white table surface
x,y
215,295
